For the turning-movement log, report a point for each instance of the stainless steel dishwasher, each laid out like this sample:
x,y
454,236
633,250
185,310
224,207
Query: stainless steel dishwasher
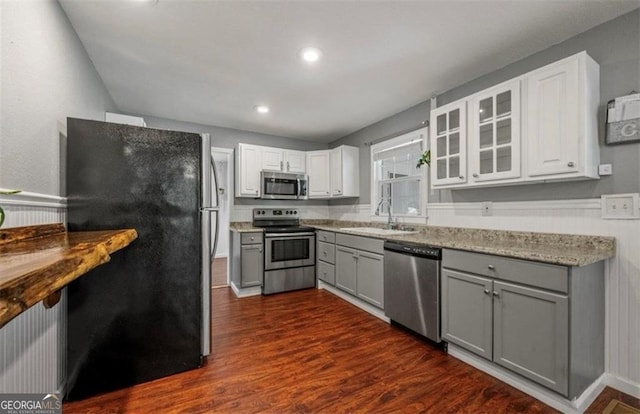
x,y
412,286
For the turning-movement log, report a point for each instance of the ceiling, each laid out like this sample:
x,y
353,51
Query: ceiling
x,y
211,62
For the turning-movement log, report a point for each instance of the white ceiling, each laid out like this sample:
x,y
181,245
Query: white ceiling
x,y
210,62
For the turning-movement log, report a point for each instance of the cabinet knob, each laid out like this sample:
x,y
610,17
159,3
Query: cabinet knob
x,y
324,253
260,250
570,164
475,175
461,177
327,192
491,267
496,294
256,191
252,238
487,291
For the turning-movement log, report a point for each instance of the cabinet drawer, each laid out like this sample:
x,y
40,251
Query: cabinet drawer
x,y
361,243
326,236
543,275
327,273
251,238
327,252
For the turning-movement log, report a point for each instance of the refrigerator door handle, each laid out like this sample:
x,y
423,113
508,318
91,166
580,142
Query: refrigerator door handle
x,y
209,209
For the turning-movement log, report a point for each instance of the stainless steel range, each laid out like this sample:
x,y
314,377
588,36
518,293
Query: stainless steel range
x,y
290,250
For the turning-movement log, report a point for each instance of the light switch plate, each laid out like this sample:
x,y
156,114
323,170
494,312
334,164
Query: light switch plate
x,y
605,169
620,206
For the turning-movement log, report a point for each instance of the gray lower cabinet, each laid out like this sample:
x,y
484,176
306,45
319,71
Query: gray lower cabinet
x,y
547,327
369,278
247,259
346,269
360,271
326,257
467,312
531,333
252,265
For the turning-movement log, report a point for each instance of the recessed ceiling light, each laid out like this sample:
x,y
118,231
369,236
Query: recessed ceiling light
x,y
310,54
261,109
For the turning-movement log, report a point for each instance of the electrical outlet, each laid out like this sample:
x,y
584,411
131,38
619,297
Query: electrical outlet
x,y
487,208
620,206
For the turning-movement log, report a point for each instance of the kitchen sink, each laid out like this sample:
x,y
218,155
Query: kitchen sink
x,y
378,231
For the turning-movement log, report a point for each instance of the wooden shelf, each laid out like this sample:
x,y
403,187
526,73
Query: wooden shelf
x,y
36,262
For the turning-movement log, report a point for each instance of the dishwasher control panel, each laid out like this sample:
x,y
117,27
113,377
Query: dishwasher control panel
x,y
414,249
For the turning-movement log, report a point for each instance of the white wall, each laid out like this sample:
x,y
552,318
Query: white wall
x,y
46,76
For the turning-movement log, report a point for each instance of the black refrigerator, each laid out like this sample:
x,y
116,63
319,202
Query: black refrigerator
x,y
146,313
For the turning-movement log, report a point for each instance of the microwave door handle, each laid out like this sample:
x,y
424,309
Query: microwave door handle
x,y
298,189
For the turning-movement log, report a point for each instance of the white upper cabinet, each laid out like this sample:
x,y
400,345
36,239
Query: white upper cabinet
x,y
319,169
278,159
248,166
541,126
494,140
295,161
334,173
345,171
562,126
449,144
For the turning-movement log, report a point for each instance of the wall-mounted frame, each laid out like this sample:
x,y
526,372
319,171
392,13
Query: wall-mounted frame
x,y
623,120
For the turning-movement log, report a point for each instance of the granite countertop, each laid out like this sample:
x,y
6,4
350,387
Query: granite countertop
x,y
36,262
244,227
560,249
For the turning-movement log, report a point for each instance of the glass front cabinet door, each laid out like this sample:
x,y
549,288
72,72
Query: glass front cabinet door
x,y
494,143
449,144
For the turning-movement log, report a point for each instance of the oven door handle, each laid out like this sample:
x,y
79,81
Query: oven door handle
x,y
287,235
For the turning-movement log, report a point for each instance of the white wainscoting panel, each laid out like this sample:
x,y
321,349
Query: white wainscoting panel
x,y
32,346
622,273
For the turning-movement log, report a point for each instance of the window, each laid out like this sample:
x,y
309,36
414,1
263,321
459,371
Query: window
x,y
397,184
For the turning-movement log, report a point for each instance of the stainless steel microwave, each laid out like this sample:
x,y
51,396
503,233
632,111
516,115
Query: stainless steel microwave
x,y
283,186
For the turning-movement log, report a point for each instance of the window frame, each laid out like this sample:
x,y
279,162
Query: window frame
x,y
406,138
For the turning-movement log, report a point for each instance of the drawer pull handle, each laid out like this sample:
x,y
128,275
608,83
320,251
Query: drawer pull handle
x,y
496,294
486,291
491,267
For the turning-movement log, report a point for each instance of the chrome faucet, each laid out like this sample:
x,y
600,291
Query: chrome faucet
x,y
378,208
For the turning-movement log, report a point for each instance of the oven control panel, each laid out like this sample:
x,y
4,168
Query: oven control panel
x,y
274,213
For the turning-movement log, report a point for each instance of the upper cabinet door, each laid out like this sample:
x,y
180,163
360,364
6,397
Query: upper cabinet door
x,y
319,174
295,161
494,143
553,119
248,165
449,144
273,159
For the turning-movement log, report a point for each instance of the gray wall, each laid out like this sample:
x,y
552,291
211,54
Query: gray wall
x,y
229,138
45,76
615,45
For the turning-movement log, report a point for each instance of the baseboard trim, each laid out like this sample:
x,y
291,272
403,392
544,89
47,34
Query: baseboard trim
x,y
575,406
623,385
30,199
378,313
246,292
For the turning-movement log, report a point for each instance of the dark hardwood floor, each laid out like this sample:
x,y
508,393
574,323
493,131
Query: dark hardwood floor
x,y
311,352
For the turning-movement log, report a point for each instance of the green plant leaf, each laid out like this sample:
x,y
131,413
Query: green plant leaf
x,y
424,159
